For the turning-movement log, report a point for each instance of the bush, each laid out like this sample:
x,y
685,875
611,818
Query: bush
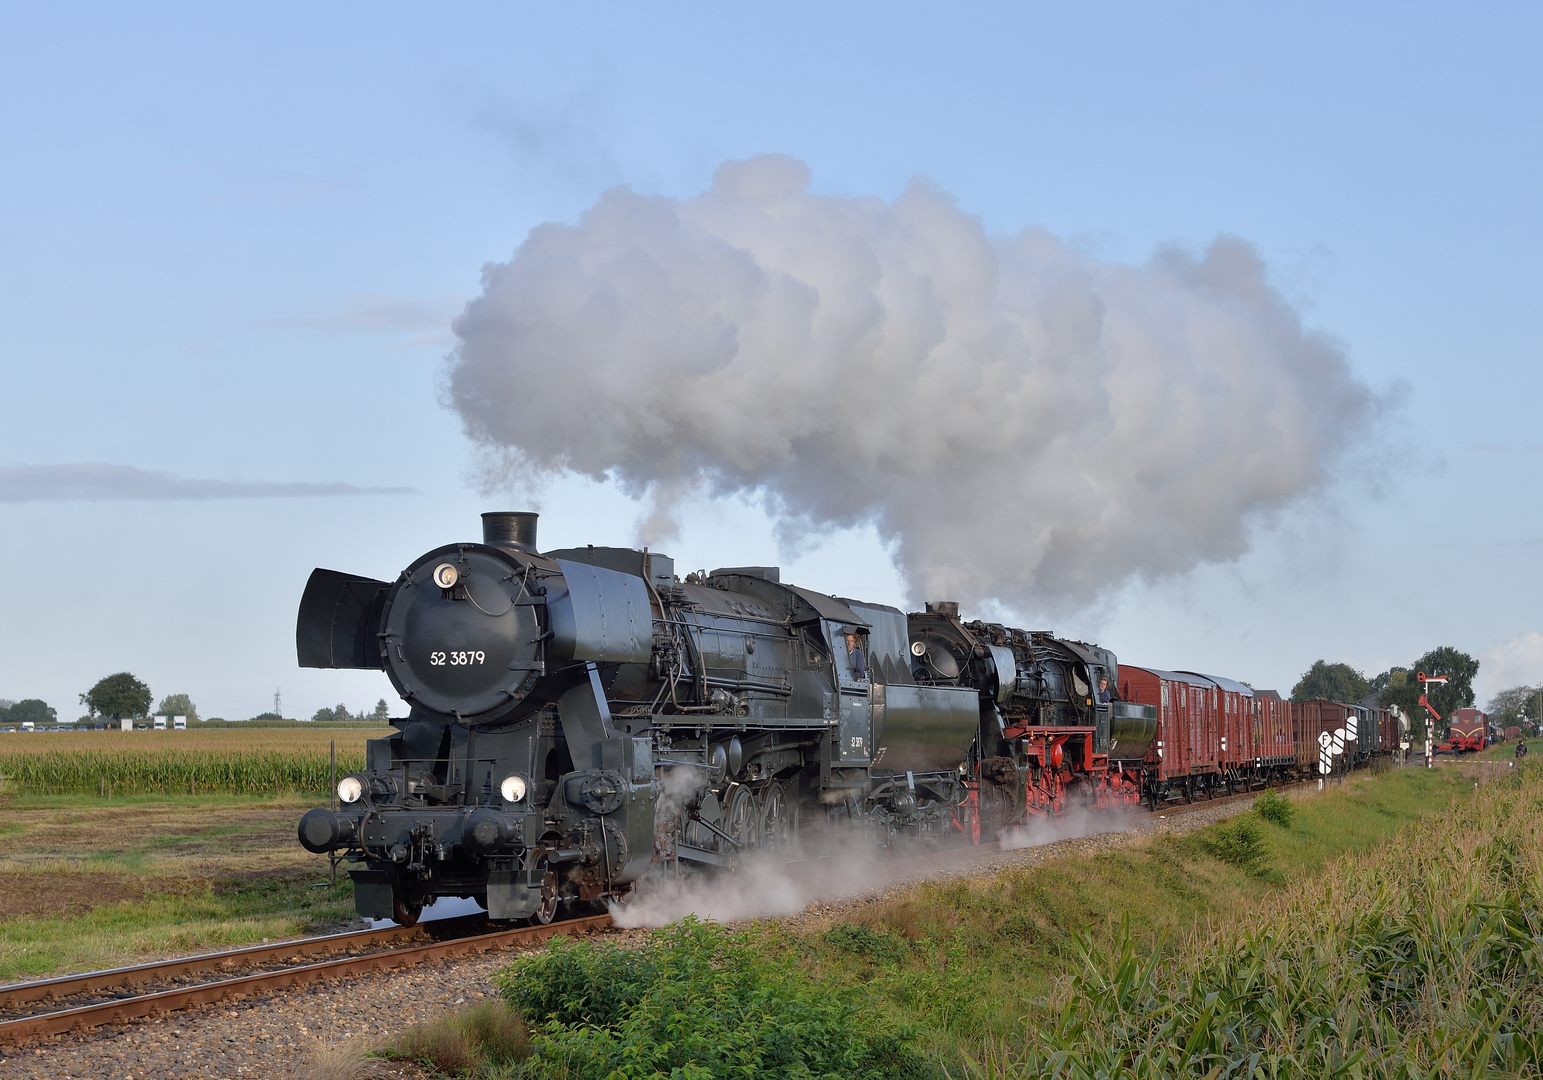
x,y
1275,808
578,982
882,948
1239,842
699,1002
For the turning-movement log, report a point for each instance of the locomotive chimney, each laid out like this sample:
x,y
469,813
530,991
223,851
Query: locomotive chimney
x,y
510,529
949,608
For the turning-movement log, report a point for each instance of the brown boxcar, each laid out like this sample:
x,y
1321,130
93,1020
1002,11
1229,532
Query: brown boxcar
x,y
1234,712
1273,744
1184,758
1313,718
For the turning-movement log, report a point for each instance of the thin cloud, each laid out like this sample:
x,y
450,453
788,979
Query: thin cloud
x,y
380,314
98,482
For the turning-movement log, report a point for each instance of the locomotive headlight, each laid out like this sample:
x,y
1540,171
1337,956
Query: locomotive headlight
x,y
349,789
513,788
445,575
918,648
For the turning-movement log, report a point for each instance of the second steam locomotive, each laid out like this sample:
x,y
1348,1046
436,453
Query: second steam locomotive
x,y
581,717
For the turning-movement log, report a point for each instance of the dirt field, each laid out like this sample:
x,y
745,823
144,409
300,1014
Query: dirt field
x,y
87,883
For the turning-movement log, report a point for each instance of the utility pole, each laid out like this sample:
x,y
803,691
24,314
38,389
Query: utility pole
x,y
278,705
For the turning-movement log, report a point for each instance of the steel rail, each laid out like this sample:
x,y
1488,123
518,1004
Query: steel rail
x,y
86,982
131,1008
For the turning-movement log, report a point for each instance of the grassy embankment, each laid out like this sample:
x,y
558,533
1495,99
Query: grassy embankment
x,y
91,880
1187,948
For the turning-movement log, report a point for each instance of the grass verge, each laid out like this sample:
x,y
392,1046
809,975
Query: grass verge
x,y
203,915
975,977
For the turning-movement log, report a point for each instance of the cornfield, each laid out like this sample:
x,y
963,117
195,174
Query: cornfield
x,y
231,739
1423,959
126,770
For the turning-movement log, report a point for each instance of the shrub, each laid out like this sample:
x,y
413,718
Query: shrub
x,y
1239,842
578,982
700,1002
882,948
1275,808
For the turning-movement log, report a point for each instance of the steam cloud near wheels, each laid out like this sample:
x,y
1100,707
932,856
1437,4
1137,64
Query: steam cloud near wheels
x,y
1022,422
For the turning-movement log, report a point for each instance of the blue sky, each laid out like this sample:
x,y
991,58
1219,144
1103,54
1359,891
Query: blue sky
x,y
232,242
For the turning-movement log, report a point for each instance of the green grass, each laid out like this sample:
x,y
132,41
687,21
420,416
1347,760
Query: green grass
x,y
1505,751
969,977
217,914
1422,959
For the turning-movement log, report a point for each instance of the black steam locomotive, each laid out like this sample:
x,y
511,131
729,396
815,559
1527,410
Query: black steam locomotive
x,y
583,717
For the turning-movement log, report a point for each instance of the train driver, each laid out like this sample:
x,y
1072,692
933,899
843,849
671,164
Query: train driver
x,y
855,658
1103,691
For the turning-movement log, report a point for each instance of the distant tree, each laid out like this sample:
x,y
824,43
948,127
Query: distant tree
x,y
1513,705
382,712
1460,669
178,705
337,714
31,710
1400,686
1337,682
267,716
118,696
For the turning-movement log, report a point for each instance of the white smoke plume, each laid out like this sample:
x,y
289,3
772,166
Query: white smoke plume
x,y
1075,823
1020,421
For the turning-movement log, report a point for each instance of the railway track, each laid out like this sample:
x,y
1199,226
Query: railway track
x,y
105,997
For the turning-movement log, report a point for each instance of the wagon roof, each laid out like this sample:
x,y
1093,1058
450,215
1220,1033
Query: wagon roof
x,y
1226,684
1173,676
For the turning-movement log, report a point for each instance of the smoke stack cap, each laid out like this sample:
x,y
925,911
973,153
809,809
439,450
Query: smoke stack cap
x,y
949,608
511,529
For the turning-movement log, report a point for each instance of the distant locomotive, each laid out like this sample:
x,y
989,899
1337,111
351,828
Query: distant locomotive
x,y
581,717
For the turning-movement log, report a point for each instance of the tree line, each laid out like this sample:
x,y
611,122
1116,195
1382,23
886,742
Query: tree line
x,y
1399,686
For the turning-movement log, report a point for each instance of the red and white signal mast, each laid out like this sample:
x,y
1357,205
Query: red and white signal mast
x,y
1430,746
